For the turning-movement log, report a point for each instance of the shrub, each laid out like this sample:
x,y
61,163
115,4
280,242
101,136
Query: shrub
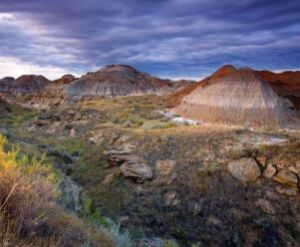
x,y
135,120
170,243
30,214
209,170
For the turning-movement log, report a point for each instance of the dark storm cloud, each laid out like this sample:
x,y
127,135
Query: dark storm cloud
x,y
166,37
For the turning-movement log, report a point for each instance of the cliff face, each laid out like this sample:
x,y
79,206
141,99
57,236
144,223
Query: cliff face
x,y
240,97
116,80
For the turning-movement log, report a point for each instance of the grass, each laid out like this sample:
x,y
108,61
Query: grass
x,y
155,124
88,170
242,152
30,214
209,170
156,139
14,116
130,112
170,243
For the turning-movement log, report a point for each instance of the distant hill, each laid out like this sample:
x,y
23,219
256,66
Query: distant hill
x,y
23,85
117,80
33,90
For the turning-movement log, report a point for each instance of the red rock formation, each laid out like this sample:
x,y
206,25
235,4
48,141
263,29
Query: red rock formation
x,y
286,84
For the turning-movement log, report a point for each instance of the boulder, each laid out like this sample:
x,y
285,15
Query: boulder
x,y
262,160
286,177
165,167
137,169
96,138
41,122
170,199
118,157
108,178
295,169
270,171
213,221
123,152
289,191
73,133
245,169
265,206
131,165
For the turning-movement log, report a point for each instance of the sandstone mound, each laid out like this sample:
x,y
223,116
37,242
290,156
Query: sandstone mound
x,y
23,85
116,80
238,98
175,98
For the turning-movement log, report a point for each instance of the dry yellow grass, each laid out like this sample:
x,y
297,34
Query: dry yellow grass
x,y
30,214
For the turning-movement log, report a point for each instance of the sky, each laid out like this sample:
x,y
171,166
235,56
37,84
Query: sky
x,y
167,38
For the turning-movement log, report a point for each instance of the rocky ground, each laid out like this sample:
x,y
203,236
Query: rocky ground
x,y
197,185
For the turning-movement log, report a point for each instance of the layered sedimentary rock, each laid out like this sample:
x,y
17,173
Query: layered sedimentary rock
x,y
23,85
64,80
52,93
116,80
175,98
286,84
34,91
236,97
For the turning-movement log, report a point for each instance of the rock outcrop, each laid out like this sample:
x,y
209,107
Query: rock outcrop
x,y
65,79
130,165
245,170
23,85
136,168
116,80
52,93
236,97
34,91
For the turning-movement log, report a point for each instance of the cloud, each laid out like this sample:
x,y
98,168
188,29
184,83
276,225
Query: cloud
x,y
165,37
10,66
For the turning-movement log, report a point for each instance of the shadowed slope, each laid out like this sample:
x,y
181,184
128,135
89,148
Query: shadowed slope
x,y
286,84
